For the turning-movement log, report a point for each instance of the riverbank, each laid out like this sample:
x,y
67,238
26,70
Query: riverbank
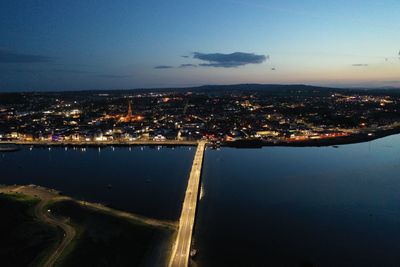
x,y
25,240
44,196
244,143
85,223
100,144
106,239
345,140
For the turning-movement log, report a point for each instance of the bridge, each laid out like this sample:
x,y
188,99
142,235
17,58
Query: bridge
x,y
181,250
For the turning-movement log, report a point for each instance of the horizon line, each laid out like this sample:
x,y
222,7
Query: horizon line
x,y
341,87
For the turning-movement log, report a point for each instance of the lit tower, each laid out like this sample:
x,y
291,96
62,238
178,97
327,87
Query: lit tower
x,y
129,115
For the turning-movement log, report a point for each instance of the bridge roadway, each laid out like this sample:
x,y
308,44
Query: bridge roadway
x,y
181,250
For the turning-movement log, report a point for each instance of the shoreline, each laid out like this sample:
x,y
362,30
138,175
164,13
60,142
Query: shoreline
x,y
44,212
346,140
45,196
244,143
54,195
171,143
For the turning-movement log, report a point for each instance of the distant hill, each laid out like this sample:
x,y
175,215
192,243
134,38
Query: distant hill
x,y
274,89
266,88
258,87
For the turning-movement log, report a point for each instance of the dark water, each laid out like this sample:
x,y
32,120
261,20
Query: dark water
x,y
281,206
148,181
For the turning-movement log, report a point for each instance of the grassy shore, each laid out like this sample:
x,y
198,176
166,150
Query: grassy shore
x,y
25,241
102,236
105,240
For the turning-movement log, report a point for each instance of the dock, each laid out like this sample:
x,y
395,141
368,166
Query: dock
x,y
181,249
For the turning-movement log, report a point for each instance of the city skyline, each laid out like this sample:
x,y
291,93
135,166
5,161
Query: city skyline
x,y
50,46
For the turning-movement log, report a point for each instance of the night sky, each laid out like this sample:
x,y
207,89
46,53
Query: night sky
x,y
121,44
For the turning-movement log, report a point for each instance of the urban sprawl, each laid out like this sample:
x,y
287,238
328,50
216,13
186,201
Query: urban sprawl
x,y
271,115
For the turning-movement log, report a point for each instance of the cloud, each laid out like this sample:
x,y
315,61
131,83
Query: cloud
x,y
7,56
163,67
187,65
229,60
360,65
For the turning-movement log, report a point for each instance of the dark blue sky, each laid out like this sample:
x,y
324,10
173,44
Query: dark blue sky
x,y
65,45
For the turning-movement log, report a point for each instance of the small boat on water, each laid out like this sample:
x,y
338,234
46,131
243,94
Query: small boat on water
x,y
9,148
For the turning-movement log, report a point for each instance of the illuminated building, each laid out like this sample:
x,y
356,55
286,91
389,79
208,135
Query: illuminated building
x,y
129,116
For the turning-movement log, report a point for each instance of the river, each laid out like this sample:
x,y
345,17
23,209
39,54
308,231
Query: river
x,y
309,206
150,181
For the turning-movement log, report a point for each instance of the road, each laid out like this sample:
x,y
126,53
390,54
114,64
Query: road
x,y
181,250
